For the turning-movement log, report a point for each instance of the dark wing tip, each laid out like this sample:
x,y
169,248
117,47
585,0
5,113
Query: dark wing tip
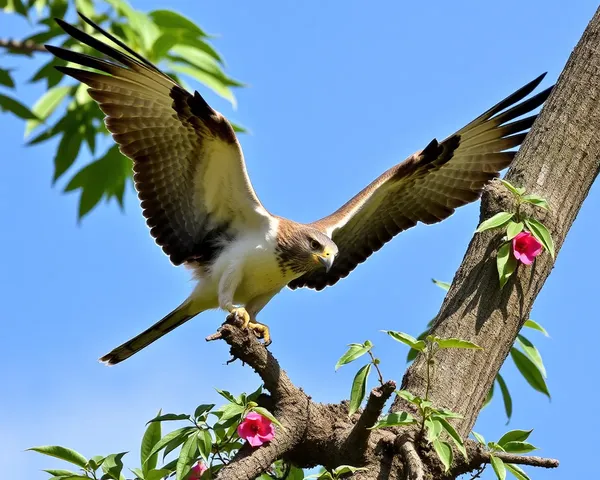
x,y
109,360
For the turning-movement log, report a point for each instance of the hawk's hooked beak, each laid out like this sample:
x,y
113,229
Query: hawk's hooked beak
x,y
326,258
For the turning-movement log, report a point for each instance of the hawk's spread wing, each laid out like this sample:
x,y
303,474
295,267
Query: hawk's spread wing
x,y
426,187
189,170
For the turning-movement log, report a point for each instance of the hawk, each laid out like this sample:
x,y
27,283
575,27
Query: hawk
x,y
198,201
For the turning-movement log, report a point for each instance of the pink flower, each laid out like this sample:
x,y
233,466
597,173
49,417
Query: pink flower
x,y
197,471
256,429
526,247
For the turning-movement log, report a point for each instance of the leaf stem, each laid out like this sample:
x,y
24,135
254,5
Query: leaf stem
x,y
376,365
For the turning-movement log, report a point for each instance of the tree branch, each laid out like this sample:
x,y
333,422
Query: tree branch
x,y
478,456
21,46
414,465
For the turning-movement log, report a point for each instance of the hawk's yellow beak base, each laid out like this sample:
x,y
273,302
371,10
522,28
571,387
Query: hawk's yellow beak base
x,y
326,258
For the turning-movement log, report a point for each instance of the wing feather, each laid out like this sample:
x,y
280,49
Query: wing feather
x,y
188,166
428,186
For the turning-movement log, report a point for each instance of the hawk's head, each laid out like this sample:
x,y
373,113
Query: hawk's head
x,y
303,248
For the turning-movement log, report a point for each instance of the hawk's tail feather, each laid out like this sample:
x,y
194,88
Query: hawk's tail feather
x,y
173,320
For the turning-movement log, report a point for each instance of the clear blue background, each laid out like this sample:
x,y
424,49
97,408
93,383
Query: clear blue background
x,y
338,92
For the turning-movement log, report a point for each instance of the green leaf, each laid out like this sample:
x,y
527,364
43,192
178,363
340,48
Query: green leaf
x,y
536,326
237,128
516,471
497,221
495,447
359,388
412,353
442,412
355,351
186,457
265,413
444,452
434,429
536,200
506,263
394,419
103,177
45,105
530,371
454,343
8,104
345,469
514,436
175,435
499,468
226,395
202,409
409,397
204,443
458,441
517,192
489,396
63,453
113,465
96,462
66,153
532,352
169,417
506,398
151,437
138,473
443,285
407,339
157,474
167,19
16,6
478,437
541,233
518,447
513,229
6,79
60,473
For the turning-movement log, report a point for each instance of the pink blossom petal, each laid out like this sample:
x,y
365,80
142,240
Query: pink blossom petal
x,y
255,441
245,429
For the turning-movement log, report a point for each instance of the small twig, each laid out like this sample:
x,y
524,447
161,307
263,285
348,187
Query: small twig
x,y
522,459
406,446
376,364
26,46
215,336
478,473
478,456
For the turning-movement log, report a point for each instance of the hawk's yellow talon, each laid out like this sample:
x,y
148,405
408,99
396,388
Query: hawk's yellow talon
x,y
259,329
241,314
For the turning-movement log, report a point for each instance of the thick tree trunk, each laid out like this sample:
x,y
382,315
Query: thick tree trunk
x,y
559,161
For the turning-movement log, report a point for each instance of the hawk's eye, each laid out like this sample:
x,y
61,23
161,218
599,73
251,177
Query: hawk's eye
x,y
315,245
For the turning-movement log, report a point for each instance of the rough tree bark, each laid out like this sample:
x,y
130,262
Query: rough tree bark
x,y
559,161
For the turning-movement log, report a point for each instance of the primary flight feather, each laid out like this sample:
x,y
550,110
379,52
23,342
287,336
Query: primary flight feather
x,y
195,193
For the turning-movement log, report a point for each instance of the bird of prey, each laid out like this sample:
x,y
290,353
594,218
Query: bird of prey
x,y
195,193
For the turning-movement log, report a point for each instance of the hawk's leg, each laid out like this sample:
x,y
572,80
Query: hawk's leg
x,y
252,308
227,286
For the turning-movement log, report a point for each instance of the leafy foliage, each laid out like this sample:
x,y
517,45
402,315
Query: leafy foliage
x,y
67,113
210,437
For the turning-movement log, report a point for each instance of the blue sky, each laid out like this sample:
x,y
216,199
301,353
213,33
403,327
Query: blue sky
x,y
338,92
